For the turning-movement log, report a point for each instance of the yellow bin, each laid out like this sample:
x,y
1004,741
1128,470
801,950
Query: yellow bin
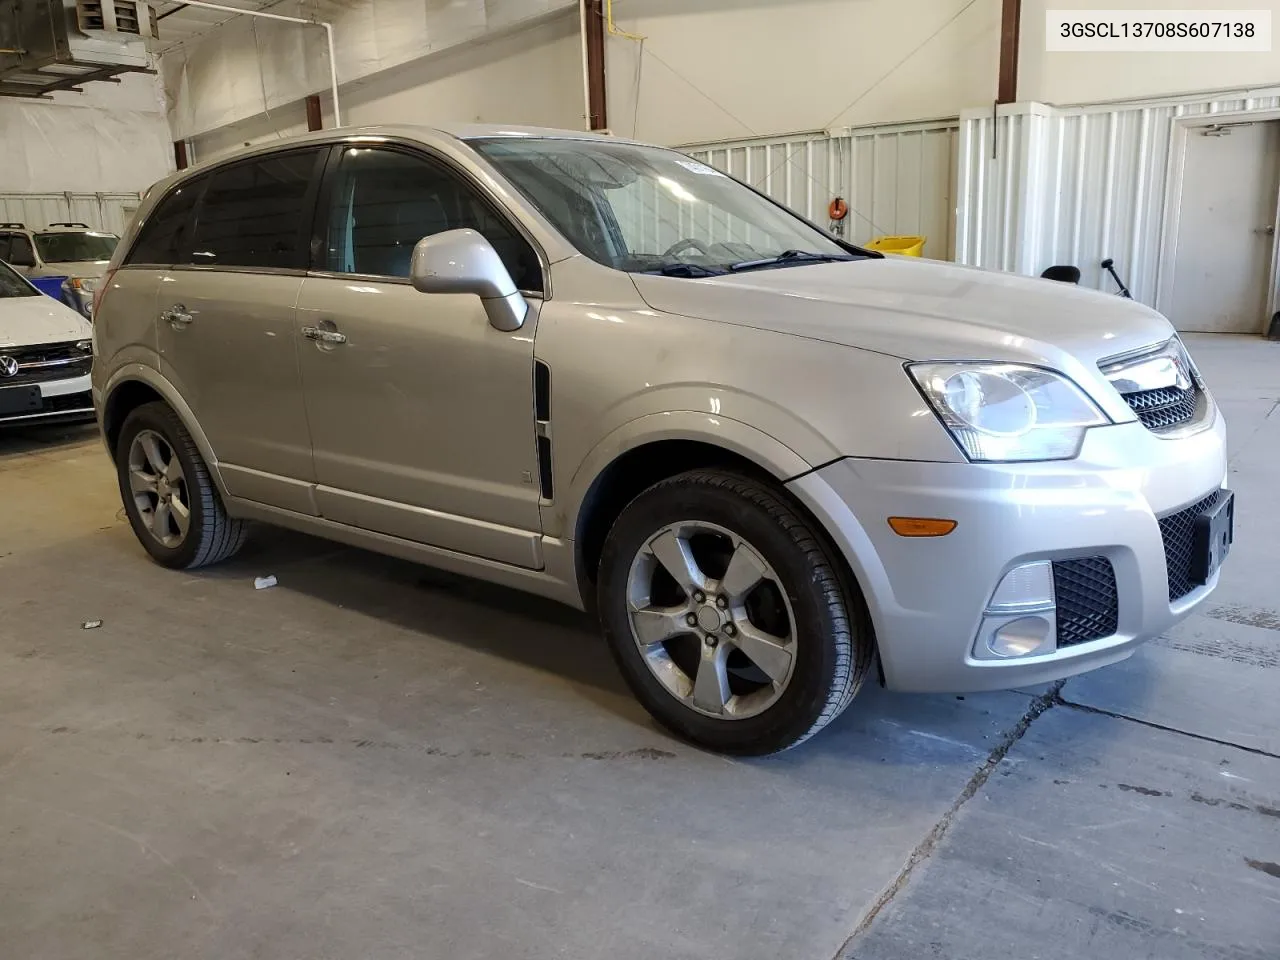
x,y
903,246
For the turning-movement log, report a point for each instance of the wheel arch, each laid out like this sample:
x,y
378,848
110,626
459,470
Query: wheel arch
x,y
655,447
133,385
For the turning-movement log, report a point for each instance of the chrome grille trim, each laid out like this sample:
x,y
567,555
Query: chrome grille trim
x,y
1162,387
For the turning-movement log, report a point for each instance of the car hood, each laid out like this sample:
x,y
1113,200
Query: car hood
x,y
918,310
76,268
30,321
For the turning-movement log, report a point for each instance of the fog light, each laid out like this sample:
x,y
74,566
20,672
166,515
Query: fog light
x,y
1025,588
1021,618
1023,637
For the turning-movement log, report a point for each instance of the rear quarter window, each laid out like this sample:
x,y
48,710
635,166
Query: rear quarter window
x,y
164,234
257,213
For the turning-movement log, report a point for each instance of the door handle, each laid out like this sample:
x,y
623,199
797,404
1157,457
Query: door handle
x,y
177,316
321,335
1268,231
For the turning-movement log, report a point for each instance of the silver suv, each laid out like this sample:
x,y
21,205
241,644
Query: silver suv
x,y
65,260
609,374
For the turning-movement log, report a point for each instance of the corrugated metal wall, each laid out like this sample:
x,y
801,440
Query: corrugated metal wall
x,y
1076,185
897,179
101,211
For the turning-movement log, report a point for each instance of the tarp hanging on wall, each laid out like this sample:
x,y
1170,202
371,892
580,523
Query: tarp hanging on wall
x,y
252,65
114,140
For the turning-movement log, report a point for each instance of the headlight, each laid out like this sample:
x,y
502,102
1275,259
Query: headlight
x,y
83,287
1007,411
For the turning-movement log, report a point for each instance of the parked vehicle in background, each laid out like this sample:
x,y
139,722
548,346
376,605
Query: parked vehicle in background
x,y
609,374
46,352
64,259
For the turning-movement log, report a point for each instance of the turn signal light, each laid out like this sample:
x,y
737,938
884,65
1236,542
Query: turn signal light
x,y
921,526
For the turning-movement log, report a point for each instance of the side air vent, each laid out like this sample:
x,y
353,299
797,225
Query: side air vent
x,y
542,414
541,391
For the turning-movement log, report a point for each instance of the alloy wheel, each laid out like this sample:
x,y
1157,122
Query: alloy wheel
x,y
159,488
712,620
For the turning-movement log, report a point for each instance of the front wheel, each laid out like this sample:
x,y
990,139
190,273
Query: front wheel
x,y
727,616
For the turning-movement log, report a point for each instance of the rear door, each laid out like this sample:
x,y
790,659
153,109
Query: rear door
x,y
225,331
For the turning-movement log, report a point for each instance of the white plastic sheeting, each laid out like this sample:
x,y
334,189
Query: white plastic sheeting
x,y
1077,185
898,179
112,137
543,62
100,211
252,66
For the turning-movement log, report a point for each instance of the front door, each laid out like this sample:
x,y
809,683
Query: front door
x,y
421,413
1226,229
225,328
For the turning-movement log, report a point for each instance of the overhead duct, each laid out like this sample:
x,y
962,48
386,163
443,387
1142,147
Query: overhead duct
x,y
48,45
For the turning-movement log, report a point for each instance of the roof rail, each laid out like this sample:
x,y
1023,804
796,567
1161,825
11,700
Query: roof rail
x,y
69,223
13,226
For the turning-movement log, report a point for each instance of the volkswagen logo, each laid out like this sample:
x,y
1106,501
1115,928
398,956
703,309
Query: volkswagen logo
x,y
8,367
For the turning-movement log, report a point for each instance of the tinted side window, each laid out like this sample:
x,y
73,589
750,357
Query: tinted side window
x,y
256,214
20,250
4,246
164,237
383,202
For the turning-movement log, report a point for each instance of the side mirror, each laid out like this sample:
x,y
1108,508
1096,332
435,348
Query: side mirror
x,y
463,261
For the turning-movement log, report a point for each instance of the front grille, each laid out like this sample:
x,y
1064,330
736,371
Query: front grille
x,y
46,362
67,401
1088,600
1165,407
1178,532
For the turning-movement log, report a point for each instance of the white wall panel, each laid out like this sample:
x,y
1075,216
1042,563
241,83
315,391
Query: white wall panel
x,y
737,69
897,179
1067,78
101,211
475,84
112,137
1076,185
251,66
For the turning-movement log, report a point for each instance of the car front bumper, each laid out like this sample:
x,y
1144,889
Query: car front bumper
x,y
927,596
62,401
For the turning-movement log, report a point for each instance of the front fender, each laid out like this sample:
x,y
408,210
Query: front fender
x,y
737,437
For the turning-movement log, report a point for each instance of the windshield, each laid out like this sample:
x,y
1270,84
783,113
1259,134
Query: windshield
x,y
645,209
12,285
71,247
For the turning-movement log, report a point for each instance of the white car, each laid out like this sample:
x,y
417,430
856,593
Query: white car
x,y
46,353
64,259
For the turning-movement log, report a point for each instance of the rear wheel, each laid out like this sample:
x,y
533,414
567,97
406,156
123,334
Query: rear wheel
x,y
169,497
728,617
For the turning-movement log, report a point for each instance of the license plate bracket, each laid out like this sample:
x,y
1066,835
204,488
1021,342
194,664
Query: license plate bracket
x,y
18,400
1212,537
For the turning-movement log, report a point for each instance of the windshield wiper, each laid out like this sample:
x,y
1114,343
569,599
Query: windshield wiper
x,y
789,257
692,271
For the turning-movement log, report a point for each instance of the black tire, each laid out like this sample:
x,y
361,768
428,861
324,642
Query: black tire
x,y
212,536
834,642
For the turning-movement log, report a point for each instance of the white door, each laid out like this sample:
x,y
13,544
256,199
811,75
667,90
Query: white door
x,y
1226,230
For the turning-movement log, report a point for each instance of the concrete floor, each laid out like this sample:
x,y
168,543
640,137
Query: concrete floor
x,y
374,760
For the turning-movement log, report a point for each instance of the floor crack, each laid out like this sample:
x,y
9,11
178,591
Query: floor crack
x,y
925,848
1160,726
